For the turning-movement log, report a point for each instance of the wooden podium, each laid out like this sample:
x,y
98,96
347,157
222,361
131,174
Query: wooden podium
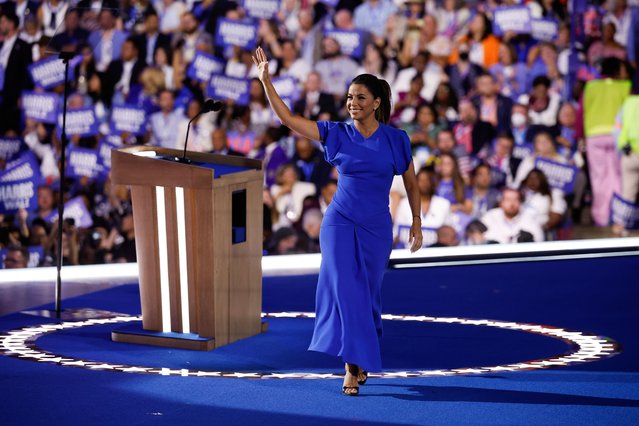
x,y
198,237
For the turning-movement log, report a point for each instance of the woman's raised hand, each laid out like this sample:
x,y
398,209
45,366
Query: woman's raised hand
x,y
261,62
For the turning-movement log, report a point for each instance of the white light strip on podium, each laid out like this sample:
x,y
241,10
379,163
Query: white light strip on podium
x,y
184,275
164,260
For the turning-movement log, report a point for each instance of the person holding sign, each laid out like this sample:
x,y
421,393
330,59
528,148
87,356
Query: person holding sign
x,y
356,233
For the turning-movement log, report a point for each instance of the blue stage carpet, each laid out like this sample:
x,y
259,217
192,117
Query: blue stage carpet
x,y
591,296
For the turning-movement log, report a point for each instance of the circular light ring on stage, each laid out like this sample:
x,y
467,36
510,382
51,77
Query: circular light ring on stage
x,y
21,343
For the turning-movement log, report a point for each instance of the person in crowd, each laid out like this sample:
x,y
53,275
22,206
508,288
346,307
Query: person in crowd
x,y
628,145
372,16
484,194
475,233
16,257
283,241
462,73
434,210
493,107
122,74
310,162
289,194
451,185
421,65
151,39
170,13
602,99
544,148
107,41
510,73
547,205
315,104
73,35
15,58
506,223
261,117
376,63
472,133
566,122
200,132
446,237
502,159
543,105
405,109
51,15
164,124
607,46
484,45
189,38
522,131
424,129
220,144
291,64
309,237
446,103
335,68
326,194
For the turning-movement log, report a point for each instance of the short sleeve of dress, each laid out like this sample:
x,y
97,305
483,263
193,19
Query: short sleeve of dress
x,y
329,131
400,146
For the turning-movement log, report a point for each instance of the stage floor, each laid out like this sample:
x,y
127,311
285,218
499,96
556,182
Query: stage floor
x,y
544,342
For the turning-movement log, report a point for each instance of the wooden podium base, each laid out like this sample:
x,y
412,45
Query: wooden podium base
x,y
134,333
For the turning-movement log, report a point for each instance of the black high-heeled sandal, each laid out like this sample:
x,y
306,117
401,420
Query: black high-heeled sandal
x,y
345,388
362,382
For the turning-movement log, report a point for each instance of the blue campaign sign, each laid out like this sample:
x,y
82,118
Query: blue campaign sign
x,y
261,9
560,176
223,87
82,122
23,167
18,194
49,72
331,3
82,162
523,151
104,155
624,212
42,107
128,119
74,209
545,29
10,147
287,87
236,33
516,19
203,66
350,41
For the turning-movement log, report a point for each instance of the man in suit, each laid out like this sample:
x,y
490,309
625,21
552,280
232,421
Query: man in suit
x,y
73,35
492,106
471,132
15,58
151,39
107,41
315,104
122,74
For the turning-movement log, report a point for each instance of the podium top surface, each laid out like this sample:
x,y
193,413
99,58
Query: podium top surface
x,y
155,166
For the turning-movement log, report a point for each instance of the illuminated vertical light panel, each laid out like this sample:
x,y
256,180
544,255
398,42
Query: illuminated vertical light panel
x,y
184,276
164,260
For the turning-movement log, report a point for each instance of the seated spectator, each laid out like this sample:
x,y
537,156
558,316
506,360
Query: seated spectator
x,y
271,153
547,205
484,194
520,124
607,46
288,195
375,62
462,74
309,238
107,41
475,135
446,237
510,74
283,241
170,12
220,143
566,123
290,63
434,211
507,222
372,15
164,124
446,103
326,194
421,65
405,109
261,115
310,162
502,160
543,105
476,233
200,131
336,69
189,38
451,185
484,45
424,128
492,107
73,35
122,74
150,40
315,104
16,257
124,248
544,147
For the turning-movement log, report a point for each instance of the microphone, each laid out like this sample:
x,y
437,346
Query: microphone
x,y
208,106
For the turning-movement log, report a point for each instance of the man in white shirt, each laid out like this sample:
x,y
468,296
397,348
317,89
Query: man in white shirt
x,y
337,70
165,123
508,223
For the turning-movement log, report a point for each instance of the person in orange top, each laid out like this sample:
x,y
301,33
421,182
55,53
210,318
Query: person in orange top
x,y
484,45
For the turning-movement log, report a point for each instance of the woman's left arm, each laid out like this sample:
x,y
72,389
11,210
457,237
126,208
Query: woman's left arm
x,y
410,182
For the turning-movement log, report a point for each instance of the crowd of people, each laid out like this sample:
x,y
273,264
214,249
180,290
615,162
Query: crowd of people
x,y
516,133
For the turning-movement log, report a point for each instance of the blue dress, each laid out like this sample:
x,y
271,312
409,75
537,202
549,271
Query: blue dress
x,y
356,239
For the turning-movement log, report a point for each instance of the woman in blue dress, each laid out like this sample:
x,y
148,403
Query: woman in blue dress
x,y
356,233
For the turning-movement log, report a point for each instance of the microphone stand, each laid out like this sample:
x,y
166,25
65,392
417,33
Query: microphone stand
x,y
66,57
183,158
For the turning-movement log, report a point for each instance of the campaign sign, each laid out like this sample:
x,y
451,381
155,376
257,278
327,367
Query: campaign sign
x,y
104,154
42,107
18,194
331,3
236,33
429,236
36,254
624,212
560,176
49,72
203,66
82,122
26,166
262,9
545,29
523,151
10,147
74,209
82,162
128,119
350,41
287,87
512,18
223,87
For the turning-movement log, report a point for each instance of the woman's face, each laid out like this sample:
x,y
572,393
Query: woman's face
x,y
372,54
425,117
446,167
533,182
256,90
416,85
194,108
289,176
360,102
424,184
482,177
477,25
160,57
567,115
543,146
504,55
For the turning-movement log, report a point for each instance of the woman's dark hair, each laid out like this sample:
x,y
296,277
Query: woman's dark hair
x,y
458,180
380,89
428,106
432,178
488,25
544,186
